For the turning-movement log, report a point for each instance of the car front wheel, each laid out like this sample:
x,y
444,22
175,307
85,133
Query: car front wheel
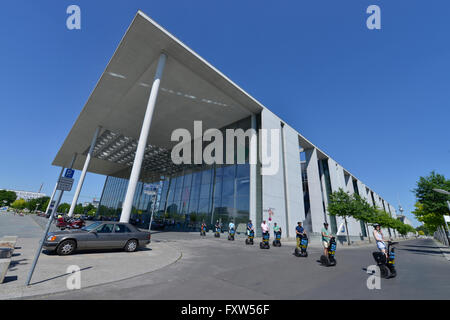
x,y
131,246
66,247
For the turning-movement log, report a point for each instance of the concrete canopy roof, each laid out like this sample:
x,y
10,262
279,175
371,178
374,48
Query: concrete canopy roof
x,y
191,89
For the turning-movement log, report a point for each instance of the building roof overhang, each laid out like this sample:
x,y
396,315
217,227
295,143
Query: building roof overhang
x,y
191,89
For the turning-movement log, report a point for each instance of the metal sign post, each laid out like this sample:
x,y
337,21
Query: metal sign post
x,y
47,228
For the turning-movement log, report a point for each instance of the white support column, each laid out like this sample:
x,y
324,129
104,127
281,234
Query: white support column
x,y
83,173
253,171
139,157
315,190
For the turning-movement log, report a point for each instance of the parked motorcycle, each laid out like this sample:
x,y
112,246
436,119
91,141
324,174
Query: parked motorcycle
x,y
69,223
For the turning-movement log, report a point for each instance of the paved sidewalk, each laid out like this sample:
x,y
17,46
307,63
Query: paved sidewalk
x,y
444,250
51,275
99,268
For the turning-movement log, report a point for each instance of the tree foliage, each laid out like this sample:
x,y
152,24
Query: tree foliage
x,y
63,208
423,230
7,197
19,204
346,205
342,204
37,204
431,206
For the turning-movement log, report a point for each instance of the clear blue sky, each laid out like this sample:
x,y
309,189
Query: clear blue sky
x,y
376,101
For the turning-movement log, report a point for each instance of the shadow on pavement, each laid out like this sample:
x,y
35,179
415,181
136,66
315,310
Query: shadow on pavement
x,y
422,251
9,279
56,277
93,251
419,246
16,262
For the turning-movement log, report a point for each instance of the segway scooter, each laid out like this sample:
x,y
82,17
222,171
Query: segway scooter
x,y
250,237
277,241
202,232
301,250
231,234
387,266
331,260
264,244
217,233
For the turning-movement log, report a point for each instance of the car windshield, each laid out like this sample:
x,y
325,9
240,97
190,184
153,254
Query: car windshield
x,y
92,226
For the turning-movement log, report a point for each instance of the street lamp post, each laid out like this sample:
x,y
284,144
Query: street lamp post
x,y
400,208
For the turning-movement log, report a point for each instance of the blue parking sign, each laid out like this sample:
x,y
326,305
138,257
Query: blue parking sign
x,y
69,173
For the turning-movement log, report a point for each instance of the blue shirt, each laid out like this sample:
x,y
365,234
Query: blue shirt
x,y
299,229
249,226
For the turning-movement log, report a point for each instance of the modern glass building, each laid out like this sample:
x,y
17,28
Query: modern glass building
x,y
208,193
155,85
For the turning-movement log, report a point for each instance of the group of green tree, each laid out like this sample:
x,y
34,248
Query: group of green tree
x,y
346,205
88,210
431,206
9,199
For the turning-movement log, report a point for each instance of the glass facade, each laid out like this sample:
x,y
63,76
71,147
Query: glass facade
x,y
209,193
113,195
216,193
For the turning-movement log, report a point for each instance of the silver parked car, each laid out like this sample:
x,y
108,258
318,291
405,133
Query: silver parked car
x,y
98,235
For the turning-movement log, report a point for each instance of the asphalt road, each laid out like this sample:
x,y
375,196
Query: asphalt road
x,y
219,269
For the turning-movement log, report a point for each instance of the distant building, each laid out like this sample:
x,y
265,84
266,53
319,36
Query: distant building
x,y
404,219
28,195
94,202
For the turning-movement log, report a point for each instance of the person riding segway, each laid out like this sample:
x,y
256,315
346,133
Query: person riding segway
x,y
231,231
250,233
264,244
277,235
217,229
302,241
385,257
329,247
203,229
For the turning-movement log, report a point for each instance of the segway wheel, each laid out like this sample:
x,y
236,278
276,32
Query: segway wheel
x,y
247,241
261,246
393,274
229,238
296,252
305,254
274,243
324,260
384,271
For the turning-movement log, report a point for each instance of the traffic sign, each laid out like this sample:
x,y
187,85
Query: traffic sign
x,y
69,173
65,184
